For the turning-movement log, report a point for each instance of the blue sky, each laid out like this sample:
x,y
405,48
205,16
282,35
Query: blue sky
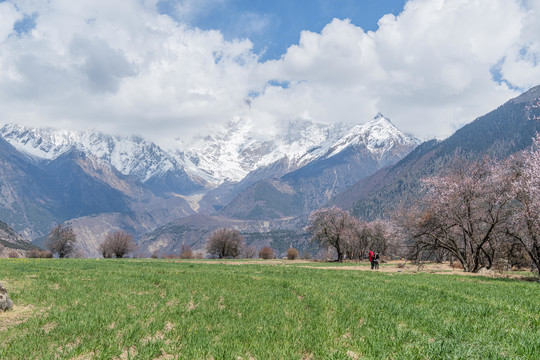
x,y
274,25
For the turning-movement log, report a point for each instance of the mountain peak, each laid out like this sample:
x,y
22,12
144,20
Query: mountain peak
x,y
378,136
380,118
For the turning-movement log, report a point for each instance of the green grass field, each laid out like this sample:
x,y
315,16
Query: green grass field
x,y
143,309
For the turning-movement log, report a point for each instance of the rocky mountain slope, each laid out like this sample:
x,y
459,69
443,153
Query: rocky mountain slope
x,y
194,231
504,131
11,240
101,183
359,153
130,156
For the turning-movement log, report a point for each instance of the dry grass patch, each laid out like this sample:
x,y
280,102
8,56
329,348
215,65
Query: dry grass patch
x,y
17,315
47,328
128,353
87,356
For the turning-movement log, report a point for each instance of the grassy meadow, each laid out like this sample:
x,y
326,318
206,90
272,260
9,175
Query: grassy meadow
x,y
157,309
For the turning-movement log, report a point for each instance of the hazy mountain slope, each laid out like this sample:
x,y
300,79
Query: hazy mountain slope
x,y
504,131
359,153
146,217
25,201
10,239
133,156
194,231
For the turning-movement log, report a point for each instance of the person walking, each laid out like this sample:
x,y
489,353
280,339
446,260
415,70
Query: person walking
x,y
371,256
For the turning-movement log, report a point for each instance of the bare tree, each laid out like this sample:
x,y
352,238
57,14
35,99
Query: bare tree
x,y
225,243
463,212
365,236
249,252
523,172
331,227
106,249
118,243
62,240
359,239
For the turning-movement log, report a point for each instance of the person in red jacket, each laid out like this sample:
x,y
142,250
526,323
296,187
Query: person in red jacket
x,y
371,259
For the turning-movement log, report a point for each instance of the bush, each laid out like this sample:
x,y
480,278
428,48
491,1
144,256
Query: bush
x,y
292,254
266,253
155,255
186,252
13,255
39,254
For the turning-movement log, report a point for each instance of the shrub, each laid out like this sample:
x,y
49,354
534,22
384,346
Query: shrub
x,y
292,254
186,252
266,253
13,255
154,255
37,254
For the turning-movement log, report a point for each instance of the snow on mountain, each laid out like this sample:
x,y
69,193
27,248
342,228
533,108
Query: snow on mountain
x,y
236,150
378,135
129,155
228,154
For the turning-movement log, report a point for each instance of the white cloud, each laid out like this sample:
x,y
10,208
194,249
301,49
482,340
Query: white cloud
x,y
429,69
122,67
8,17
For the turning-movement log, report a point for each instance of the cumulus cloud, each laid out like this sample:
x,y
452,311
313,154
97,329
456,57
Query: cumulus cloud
x,y
124,67
430,68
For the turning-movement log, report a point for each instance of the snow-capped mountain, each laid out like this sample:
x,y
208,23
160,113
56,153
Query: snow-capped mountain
x,y
230,153
379,136
131,155
233,152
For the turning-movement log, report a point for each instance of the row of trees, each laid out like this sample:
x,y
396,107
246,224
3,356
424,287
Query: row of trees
x,y
350,237
229,243
62,241
480,213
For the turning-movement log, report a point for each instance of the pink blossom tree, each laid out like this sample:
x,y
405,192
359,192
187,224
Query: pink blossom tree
x,y
463,212
523,173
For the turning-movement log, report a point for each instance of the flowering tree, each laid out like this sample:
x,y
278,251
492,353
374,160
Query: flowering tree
x,y
365,236
331,227
523,173
463,212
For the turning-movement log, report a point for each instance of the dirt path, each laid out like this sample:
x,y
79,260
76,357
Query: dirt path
x,y
398,267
